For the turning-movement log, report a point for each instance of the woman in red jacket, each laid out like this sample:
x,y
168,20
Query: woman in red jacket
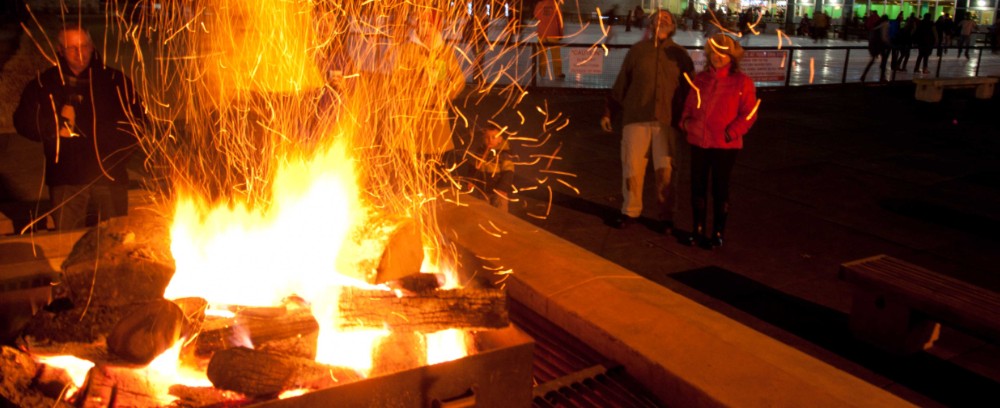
x,y
717,114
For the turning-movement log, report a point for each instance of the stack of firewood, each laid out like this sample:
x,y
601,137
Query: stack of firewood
x,y
111,311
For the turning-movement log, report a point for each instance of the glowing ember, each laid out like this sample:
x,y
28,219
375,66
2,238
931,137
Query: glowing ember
x,y
76,368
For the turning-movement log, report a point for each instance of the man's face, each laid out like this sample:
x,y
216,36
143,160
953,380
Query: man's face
x,y
493,138
77,49
664,25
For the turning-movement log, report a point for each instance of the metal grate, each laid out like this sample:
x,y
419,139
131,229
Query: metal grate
x,y
568,373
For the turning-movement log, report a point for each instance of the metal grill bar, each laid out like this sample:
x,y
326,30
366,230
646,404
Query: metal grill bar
x,y
568,373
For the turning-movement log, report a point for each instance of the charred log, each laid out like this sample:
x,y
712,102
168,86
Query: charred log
x,y
205,397
399,351
426,311
149,330
418,282
257,373
289,331
109,386
21,376
403,255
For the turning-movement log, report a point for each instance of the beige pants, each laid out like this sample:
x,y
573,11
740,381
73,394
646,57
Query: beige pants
x,y
639,142
552,46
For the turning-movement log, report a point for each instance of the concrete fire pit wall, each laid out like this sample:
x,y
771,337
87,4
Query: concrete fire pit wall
x,y
686,354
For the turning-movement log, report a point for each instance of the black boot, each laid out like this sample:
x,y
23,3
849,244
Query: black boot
x,y
699,208
719,222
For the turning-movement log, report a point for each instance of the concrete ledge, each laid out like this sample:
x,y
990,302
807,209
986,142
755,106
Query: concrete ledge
x,y
685,353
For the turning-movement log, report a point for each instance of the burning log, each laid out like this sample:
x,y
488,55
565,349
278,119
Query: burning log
x,y
109,386
258,373
291,331
205,396
22,381
418,282
432,311
399,351
148,331
403,255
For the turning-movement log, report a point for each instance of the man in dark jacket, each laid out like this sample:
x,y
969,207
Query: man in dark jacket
x,y
82,111
650,91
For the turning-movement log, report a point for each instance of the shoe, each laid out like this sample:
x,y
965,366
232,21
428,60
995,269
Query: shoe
x,y
698,240
561,76
664,227
716,241
622,221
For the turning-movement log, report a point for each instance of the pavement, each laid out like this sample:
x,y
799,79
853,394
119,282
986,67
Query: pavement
x,y
829,174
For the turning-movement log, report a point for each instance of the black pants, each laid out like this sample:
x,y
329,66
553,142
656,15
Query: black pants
x,y
717,164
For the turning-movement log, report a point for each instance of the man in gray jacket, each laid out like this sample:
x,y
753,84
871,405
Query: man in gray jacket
x,y
649,93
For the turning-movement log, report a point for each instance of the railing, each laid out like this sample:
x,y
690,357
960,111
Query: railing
x,y
803,65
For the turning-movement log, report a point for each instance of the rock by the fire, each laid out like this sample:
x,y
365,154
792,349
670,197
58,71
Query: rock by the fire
x,y
149,330
121,262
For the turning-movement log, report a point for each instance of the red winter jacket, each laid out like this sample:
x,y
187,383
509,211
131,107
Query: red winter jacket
x,y
724,116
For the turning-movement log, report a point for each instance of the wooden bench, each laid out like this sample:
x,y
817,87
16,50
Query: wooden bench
x,y
931,89
899,306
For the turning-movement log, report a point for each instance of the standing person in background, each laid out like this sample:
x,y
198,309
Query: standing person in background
x,y
436,80
84,114
638,15
649,92
717,114
925,37
965,29
493,165
944,26
821,24
710,20
550,33
804,25
994,36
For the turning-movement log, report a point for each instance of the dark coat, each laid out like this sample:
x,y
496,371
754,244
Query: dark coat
x,y
106,106
651,86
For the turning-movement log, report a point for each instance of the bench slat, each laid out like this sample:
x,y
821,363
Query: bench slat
x,y
937,295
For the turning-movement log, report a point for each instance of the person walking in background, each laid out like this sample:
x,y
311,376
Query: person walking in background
x,y
85,114
925,37
965,29
718,113
902,43
649,92
550,33
878,47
